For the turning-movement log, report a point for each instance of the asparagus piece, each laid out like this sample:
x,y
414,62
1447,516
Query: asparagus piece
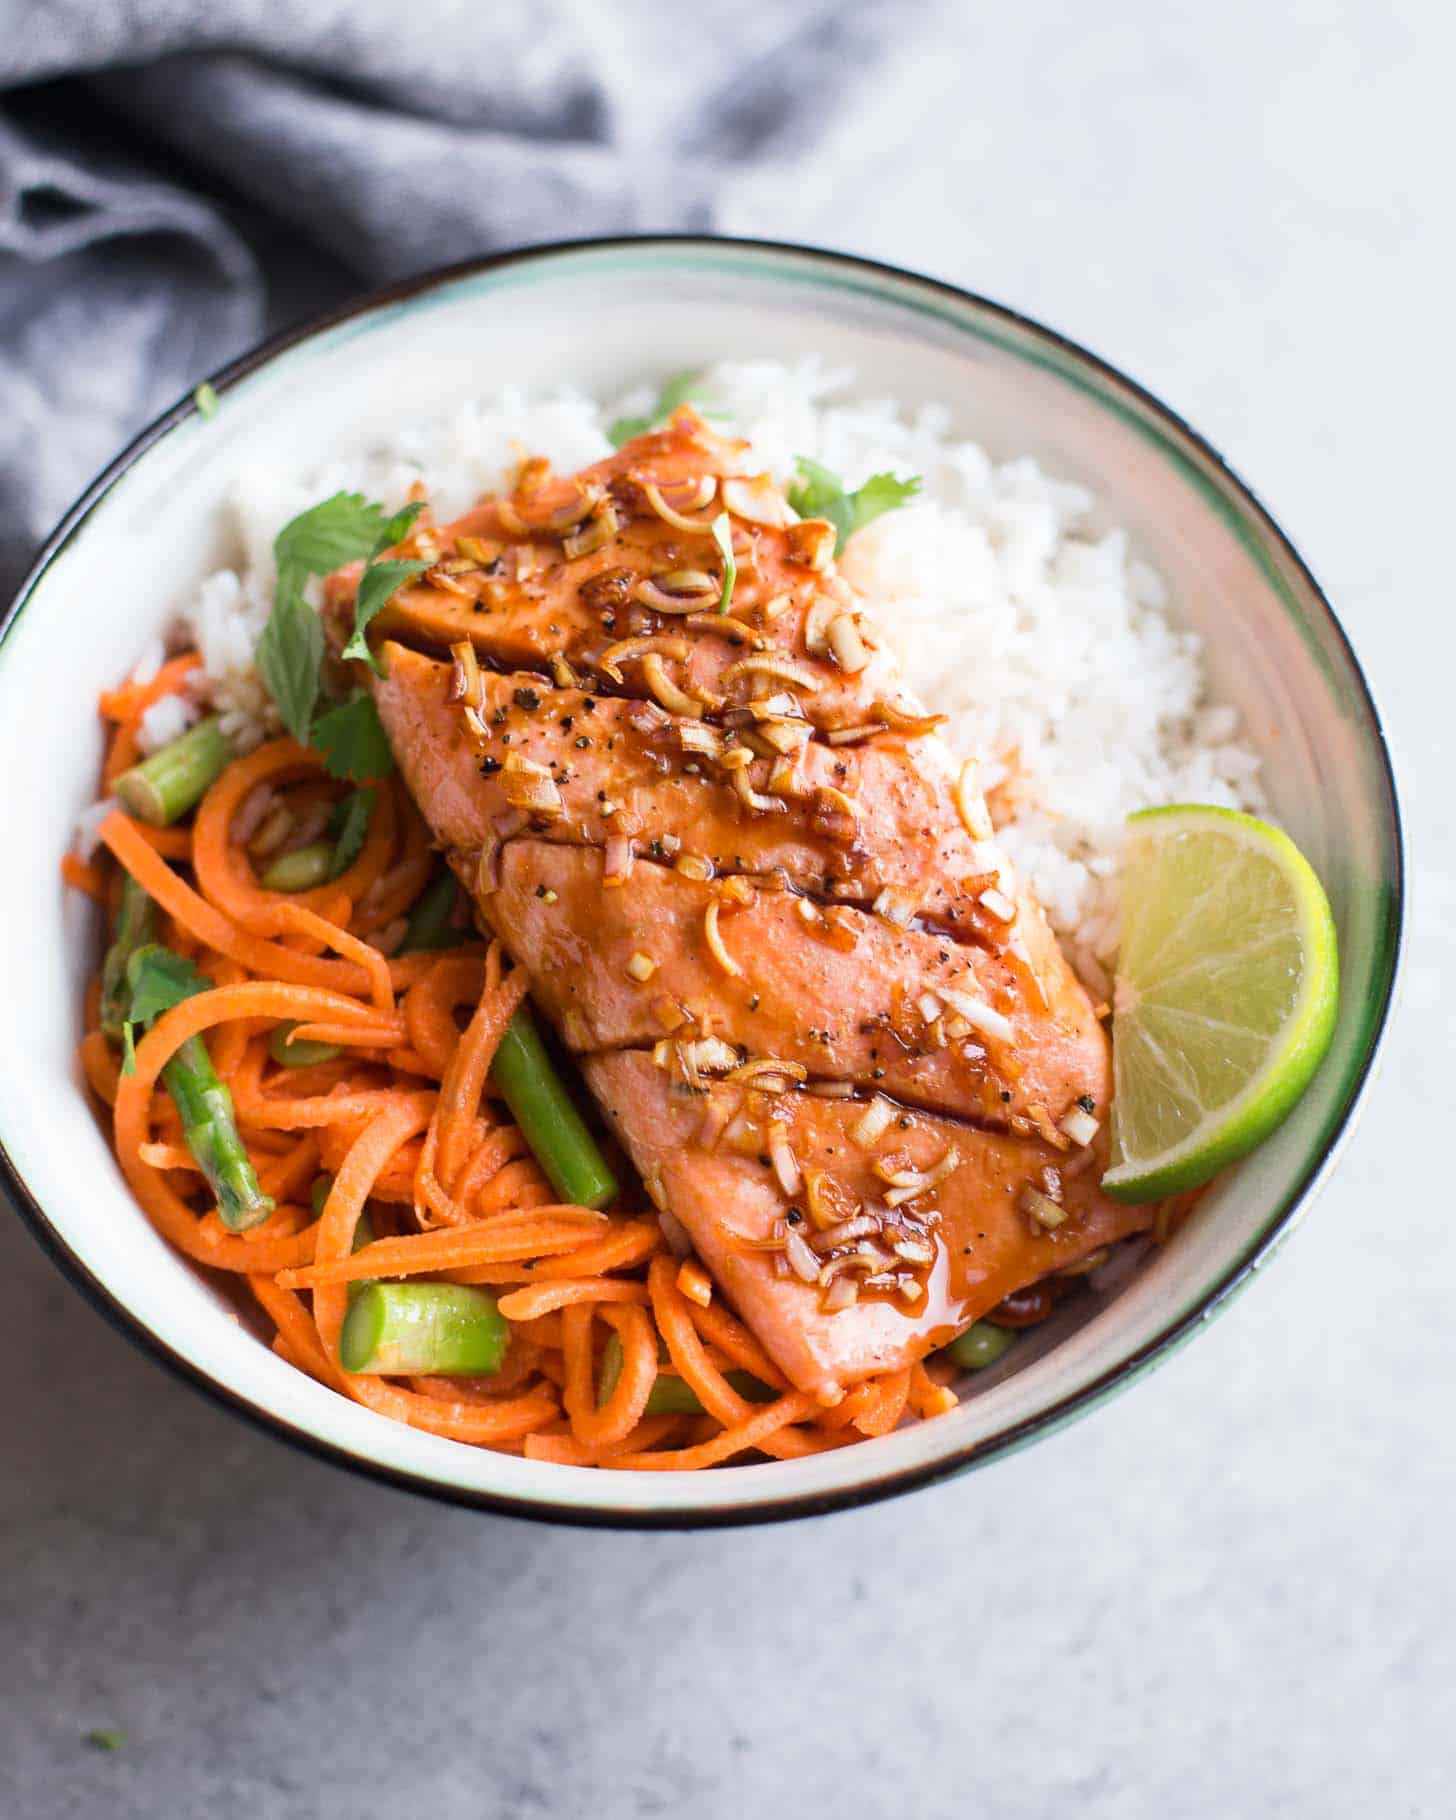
x,y
211,1131
136,927
442,1329
979,1346
173,779
548,1118
301,870
672,1395
430,921
302,1054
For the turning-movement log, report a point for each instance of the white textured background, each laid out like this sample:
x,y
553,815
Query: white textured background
x,y
1228,1594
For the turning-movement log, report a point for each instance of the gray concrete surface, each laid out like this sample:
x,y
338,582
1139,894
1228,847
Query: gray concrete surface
x,y
1228,1594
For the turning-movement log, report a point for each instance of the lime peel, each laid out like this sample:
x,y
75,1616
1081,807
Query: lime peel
x,y
1226,995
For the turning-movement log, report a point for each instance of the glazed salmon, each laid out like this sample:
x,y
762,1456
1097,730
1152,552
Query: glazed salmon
x,y
731,1201
754,893
525,593
834,991
616,767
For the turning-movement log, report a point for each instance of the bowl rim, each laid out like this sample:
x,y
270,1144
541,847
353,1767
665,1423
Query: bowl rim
x,y
1170,1338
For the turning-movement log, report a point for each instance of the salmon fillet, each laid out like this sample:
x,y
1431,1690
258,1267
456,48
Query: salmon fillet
x,y
523,606
839,995
755,895
730,1201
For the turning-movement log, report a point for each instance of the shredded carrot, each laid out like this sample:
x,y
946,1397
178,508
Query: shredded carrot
x,y
565,1450
884,1403
132,699
761,1430
694,1282
445,1248
519,1183
927,1398
402,1122
124,752
101,1065
733,1339
80,875
171,843
464,1079
613,1420
531,1303
430,1004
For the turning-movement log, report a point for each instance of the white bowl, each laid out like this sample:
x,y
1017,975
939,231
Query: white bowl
x,y
601,315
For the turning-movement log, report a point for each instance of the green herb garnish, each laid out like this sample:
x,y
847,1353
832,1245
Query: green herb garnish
x,y
288,656
722,530
339,529
820,493
204,396
682,388
380,579
290,652
352,740
349,824
106,1737
156,980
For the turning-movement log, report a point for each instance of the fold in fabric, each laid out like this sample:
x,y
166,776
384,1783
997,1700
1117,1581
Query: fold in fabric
x,y
176,176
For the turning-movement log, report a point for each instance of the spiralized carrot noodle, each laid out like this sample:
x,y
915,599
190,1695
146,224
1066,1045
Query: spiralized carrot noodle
x,y
401,1124
530,1303
613,1420
132,699
82,876
430,1005
426,1252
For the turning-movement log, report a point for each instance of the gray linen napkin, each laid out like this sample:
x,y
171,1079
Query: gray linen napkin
x,y
178,175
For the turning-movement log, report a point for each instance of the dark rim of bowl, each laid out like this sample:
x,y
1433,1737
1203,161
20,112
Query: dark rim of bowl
x,y
1019,1434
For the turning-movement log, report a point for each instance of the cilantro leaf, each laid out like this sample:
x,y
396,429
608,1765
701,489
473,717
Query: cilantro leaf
x,y
349,824
337,530
682,388
159,979
396,529
352,741
820,493
624,429
288,655
722,530
156,979
881,493
106,1737
376,584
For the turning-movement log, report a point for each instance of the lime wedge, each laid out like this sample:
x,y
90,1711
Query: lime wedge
x,y
1226,995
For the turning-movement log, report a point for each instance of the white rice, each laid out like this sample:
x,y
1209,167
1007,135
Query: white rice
x,y
1050,648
